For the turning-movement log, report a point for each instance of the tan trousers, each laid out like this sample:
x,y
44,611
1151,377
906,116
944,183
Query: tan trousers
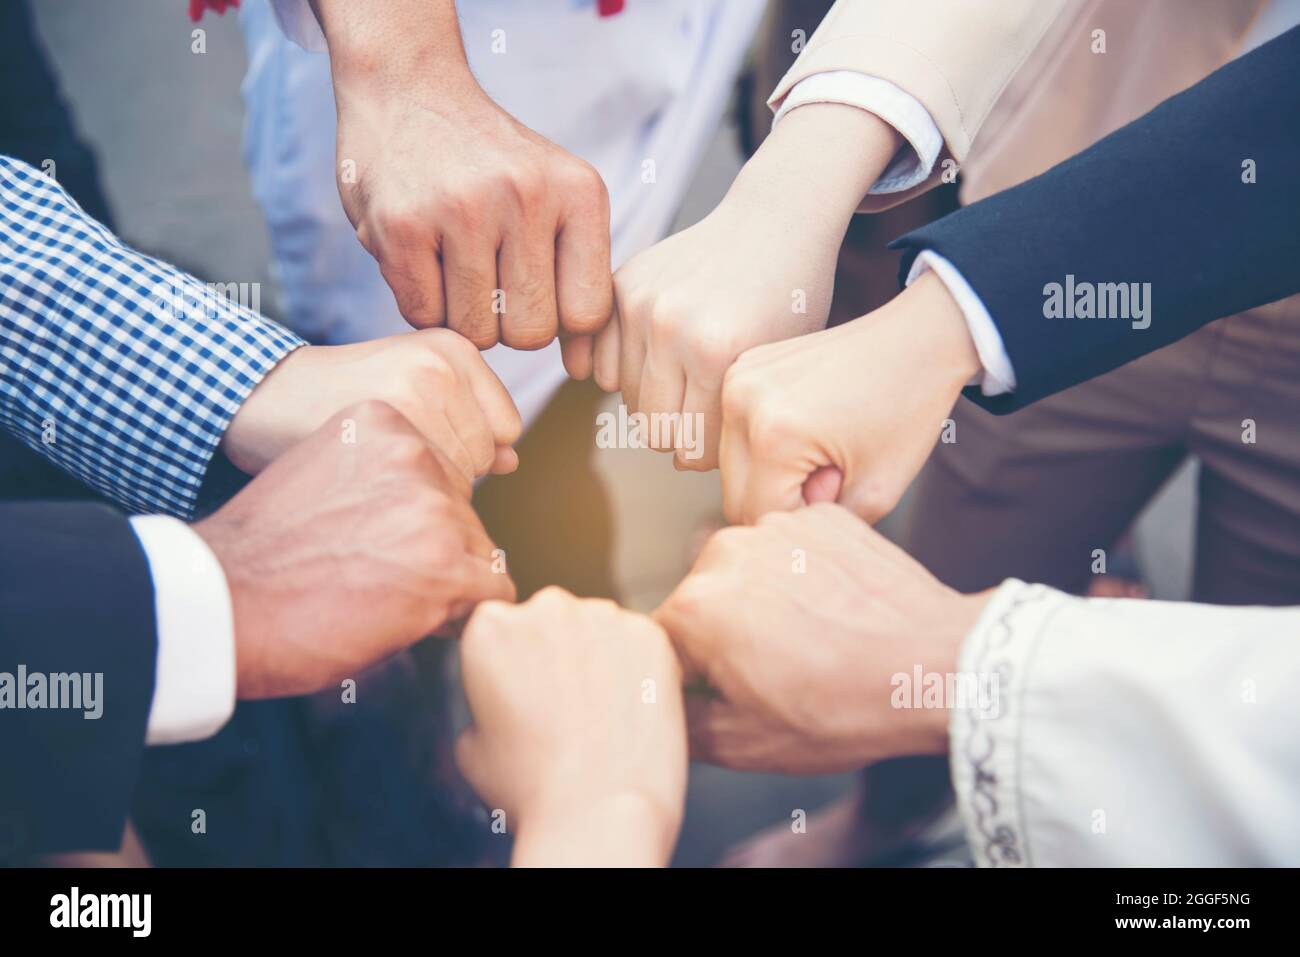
x,y
1034,493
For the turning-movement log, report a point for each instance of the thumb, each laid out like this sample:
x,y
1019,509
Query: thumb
x,y
505,461
823,485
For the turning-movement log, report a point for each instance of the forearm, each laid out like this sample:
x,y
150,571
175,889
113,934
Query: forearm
x,y
816,165
954,59
118,368
1137,268
619,831
384,47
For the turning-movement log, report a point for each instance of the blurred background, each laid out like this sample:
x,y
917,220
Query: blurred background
x,y
166,126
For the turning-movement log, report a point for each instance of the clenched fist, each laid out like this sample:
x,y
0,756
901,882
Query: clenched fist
x,y
797,626
848,414
435,378
352,545
578,731
759,268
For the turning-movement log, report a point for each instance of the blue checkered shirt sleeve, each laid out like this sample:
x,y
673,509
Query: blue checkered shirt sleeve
x,y
118,368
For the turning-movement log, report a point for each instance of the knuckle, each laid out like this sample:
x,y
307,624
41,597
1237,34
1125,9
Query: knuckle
x,y
528,335
448,343
379,415
584,182
730,541
552,595
713,350
738,392
433,367
407,452
442,551
691,600
489,618
466,203
665,323
875,500
587,317
401,228
772,423
525,185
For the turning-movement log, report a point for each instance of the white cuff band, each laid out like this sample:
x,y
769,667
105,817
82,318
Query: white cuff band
x,y
892,104
194,682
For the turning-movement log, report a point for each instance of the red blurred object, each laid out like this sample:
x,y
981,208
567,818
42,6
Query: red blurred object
x,y
199,7
606,8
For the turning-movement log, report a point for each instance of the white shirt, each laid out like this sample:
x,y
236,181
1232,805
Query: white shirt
x,y
1130,733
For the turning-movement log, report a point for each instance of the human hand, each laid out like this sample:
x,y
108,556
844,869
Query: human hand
x,y
797,626
578,729
848,414
434,378
477,222
759,268
355,543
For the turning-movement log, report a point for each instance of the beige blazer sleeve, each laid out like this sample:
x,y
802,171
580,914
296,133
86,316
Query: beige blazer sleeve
x,y
954,56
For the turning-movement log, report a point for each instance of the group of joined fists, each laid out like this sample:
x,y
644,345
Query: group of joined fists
x,y
580,713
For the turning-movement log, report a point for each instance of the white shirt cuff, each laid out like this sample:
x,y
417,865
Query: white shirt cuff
x,y
194,681
984,744
894,105
299,24
998,376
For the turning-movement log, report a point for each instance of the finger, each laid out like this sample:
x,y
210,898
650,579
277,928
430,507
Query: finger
x,y
577,353
475,581
438,431
701,427
631,358
584,282
733,462
772,485
476,543
663,387
449,474
415,277
504,424
823,485
505,461
526,268
470,275
607,353
472,428
463,411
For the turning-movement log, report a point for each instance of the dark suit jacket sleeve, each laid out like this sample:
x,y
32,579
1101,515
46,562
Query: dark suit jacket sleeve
x,y
75,596
1160,201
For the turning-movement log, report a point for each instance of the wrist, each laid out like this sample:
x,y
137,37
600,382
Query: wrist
x,y
819,162
224,543
264,424
960,615
623,829
404,47
937,325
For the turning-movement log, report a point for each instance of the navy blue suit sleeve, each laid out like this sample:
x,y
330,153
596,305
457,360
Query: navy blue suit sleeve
x,y
1162,201
75,597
